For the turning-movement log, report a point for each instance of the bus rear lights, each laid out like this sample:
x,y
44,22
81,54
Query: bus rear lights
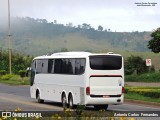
x,y
87,90
123,89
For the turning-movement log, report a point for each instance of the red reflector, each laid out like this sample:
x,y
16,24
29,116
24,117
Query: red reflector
x,y
87,90
122,89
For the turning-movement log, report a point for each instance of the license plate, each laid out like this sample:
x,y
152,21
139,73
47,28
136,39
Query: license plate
x,y
105,96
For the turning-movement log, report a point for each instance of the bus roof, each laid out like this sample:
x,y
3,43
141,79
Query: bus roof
x,y
73,55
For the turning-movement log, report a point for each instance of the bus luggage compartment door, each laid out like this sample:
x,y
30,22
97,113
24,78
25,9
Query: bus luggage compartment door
x,y
106,85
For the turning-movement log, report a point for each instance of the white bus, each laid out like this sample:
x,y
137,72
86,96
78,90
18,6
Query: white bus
x,y
78,78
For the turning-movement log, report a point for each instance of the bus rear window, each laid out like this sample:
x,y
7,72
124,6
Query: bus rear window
x,y
105,62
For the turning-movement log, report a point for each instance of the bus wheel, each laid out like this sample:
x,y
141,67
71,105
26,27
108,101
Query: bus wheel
x,y
38,98
64,101
70,102
99,107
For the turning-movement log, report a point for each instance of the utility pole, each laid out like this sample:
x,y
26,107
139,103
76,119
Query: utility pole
x,y
9,40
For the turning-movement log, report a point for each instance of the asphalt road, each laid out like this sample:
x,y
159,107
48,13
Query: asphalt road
x,y
13,97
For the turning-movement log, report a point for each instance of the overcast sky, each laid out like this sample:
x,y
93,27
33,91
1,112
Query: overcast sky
x,y
118,15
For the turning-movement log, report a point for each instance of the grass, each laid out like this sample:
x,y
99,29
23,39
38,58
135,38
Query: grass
x,y
135,96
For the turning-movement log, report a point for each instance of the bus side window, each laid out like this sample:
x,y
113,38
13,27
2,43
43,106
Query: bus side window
x,y
77,66
64,66
80,66
39,66
58,66
33,68
44,66
71,66
51,66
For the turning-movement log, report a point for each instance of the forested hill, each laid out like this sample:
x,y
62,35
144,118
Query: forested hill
x,y
37,37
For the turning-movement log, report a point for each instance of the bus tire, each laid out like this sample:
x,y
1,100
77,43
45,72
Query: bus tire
x,y
70,101
99,107
38,98
64,101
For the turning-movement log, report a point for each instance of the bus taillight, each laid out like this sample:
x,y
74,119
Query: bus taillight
x,y
87,90
122,89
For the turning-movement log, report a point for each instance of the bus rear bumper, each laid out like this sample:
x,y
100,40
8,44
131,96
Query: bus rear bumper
x,y
104,100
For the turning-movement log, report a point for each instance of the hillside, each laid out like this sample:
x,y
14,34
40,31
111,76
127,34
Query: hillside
x,y
37,37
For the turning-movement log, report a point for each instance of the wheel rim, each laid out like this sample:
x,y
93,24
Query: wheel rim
x,y
70,102
38,97
64,102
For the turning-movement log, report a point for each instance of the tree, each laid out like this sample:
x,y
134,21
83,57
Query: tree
x,y
100,28
154,43
86,26
55,21
69,24
135,64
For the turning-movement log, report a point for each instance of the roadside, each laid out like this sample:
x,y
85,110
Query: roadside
x,y
142,103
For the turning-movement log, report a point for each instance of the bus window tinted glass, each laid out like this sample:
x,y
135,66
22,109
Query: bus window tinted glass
x,y
33,68
50,66
80,66
39,66
71,66
44,66
64,66
58,66
107,62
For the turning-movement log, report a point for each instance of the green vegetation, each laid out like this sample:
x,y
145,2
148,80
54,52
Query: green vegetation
x,y
146,77
144,55
38,36
135,64
154,43
136,96
22,73
151,94
14,80
19,62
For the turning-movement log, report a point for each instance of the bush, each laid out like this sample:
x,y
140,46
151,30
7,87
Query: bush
x,y
22,73
135,64
148,92
6,77
3,72
14,80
